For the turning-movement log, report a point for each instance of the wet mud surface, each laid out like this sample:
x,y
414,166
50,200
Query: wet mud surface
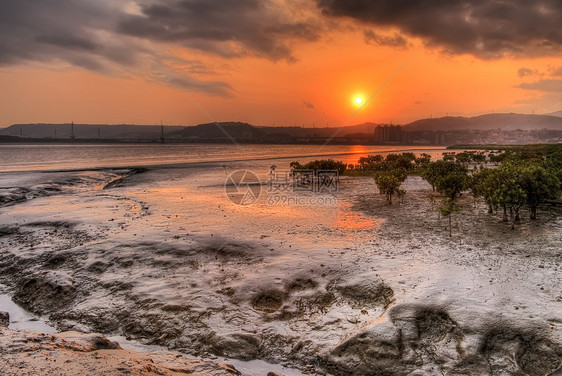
x,y
356,287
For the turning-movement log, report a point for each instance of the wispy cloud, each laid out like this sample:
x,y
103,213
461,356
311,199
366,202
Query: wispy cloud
x,y
543,85
395,40
557,71
525,72
307,105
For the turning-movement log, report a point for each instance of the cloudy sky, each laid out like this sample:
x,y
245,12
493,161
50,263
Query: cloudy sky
x,y
283,62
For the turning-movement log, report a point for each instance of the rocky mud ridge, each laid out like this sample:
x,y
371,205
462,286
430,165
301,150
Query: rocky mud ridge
x,y
399,299
16,188
73,353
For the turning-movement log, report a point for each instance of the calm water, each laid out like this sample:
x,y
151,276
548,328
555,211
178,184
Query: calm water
x,y
60,157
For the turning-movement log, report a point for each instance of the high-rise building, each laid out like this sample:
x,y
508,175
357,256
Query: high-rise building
x,y
385,134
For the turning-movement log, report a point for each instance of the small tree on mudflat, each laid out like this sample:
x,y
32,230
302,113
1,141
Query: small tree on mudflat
x,y
389,180
436,170
450,179
482,184
539,185
320,164
449,156
454,179
422,161
508,191
479,158
447,208
497,157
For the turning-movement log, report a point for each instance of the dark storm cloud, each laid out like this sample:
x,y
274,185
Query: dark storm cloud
x,y
483,28
395,40
67,41
225,27
117,37
543,85
76,32
43,30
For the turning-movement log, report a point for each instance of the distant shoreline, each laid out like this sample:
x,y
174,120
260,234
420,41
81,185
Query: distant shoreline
x,y
7,140
220,162
66,141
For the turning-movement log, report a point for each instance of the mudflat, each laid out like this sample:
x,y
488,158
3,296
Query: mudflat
x,y
345,285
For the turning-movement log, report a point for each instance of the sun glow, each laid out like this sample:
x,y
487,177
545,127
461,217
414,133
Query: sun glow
x,y
358,100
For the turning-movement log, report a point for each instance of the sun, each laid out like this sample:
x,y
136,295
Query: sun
x,y
358,100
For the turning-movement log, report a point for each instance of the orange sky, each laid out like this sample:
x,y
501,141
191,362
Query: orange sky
x,y
316,85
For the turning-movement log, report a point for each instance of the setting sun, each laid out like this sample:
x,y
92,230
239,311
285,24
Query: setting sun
x,y
358,100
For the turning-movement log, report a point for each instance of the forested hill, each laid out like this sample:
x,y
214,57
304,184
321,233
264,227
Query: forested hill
x,y
487,122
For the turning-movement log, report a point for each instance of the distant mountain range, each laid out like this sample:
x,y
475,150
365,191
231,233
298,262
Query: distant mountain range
x,y
154,132
488,122
227,130
87,131
414,132
556,113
